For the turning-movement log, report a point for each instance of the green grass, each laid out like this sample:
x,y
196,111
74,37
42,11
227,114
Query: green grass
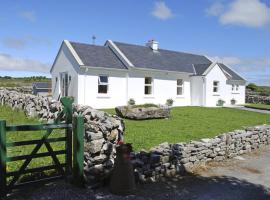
x,y
258,106
22,81
189,123
17,118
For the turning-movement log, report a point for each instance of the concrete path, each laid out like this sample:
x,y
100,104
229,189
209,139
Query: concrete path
x,y
251,109
241,178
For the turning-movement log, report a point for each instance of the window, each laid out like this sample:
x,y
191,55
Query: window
x,y
215,86
148,85
179,89
237,87
103,84
232,87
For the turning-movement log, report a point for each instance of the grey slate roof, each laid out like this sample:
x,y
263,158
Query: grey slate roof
x,y
145,57
97,56
201,68
234,76
41,85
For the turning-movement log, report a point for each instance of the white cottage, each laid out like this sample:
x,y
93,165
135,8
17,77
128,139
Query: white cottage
x,y
108,76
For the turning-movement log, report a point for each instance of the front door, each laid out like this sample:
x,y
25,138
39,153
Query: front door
x,y
64,84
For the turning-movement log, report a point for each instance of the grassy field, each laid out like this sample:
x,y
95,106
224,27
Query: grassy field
x,y
258,106
22,81
189,123
16,118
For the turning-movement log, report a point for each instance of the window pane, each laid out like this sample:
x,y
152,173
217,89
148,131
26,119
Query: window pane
x,y
148,80
215,83
103,89
179,81
179,90
215,89
147,90
103,79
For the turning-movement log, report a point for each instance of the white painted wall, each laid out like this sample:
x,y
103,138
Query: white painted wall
x,y
164,87
225,90
124,85
88,88
65,62
197,90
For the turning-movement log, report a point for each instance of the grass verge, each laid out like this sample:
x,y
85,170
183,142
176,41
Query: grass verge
x,y
258,106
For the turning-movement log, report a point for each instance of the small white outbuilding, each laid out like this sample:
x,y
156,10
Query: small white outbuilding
x,y
108,76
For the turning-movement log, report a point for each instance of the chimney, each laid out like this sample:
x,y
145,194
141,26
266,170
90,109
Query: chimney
x,y
153,44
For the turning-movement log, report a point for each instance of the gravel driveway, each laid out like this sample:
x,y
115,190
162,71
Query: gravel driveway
x,y
241,178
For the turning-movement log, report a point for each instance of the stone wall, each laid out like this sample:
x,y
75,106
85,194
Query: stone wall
x,y
256,97
169,159
102,131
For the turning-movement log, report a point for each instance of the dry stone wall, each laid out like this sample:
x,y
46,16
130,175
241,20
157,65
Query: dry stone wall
x,y
170,159
102,131
256,97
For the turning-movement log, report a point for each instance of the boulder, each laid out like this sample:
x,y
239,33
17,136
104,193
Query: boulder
x,y
139,113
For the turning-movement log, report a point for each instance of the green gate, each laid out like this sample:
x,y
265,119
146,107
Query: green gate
x,y
72,150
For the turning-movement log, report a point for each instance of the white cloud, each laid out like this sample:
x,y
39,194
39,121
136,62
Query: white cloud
x,y
20,43
7,62
162,11
244,65
29,16
215,9
250,13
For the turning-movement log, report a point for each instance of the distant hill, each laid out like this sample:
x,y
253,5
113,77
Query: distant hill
x,y
8,81
260,89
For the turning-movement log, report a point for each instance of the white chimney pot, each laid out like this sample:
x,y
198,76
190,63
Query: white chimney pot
x,y
153,45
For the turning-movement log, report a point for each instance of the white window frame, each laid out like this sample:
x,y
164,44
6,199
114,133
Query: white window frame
x,y
103,83
149,85
216,86
179,86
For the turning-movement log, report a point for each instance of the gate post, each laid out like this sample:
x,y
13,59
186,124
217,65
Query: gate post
x,y
78,150
68,111
3,159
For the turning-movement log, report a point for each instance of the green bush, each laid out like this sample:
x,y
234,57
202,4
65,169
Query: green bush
x,y
146,105
131,102
169,102
220,102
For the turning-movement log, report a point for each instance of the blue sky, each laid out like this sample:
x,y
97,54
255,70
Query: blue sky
x,y
236,32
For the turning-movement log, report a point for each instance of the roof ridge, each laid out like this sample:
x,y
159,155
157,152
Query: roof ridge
x,y
162,49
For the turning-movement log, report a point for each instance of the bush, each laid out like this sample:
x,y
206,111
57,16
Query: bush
x,y
131,102
146,105
252,87
220,102
233,102
169,102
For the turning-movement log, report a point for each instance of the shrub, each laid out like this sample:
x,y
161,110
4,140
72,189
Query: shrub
x,y
252,87
131,102
233,102
220,102
169,102
146,105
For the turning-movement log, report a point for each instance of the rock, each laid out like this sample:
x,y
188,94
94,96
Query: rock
x,y
93,135
130,112
94,146
113,135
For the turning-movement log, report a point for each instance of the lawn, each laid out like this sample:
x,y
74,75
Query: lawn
x,y
17,118
258,106
189,123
